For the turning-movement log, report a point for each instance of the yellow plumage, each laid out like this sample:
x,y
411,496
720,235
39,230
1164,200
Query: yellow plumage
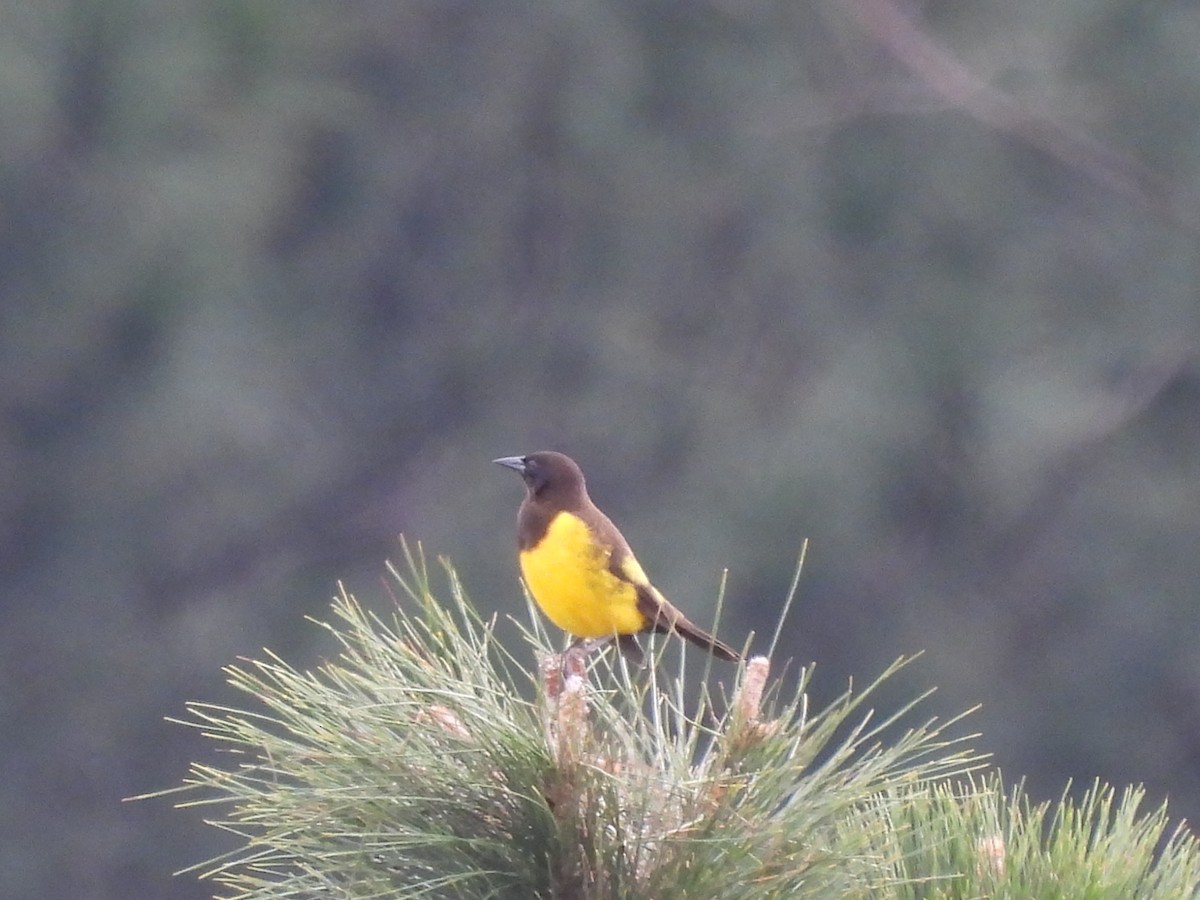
x,y
567,573
580,569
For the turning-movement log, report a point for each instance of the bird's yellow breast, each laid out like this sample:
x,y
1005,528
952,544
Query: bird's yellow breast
x,y
567,573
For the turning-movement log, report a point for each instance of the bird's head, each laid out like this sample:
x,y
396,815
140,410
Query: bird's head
x,y
548,475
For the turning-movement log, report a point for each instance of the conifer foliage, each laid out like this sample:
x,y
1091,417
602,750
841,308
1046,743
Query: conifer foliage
x,y
427,760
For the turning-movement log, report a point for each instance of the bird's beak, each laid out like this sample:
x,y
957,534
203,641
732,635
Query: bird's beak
x,y
516,463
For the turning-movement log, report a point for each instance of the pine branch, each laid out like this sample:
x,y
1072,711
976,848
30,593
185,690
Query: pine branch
x,y
427,761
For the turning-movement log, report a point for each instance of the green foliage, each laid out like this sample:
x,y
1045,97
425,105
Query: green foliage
x,y
416,764
970,838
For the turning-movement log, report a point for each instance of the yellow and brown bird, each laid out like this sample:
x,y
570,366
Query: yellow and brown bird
x,y
579,568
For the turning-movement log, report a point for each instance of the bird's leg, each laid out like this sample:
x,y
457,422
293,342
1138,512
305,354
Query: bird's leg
x,y
588,646
585,647
575,657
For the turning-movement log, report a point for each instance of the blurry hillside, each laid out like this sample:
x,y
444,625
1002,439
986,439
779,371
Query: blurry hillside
x,y
918,282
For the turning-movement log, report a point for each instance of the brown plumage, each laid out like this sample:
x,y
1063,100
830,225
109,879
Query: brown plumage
x,y
579,567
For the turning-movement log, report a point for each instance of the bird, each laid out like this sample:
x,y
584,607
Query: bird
x,y
579,568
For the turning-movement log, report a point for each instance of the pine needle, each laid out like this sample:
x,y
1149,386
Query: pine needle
x,y
427,760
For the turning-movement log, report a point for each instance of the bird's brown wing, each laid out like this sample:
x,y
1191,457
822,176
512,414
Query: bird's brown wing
x,y
658,612
663,617
660,616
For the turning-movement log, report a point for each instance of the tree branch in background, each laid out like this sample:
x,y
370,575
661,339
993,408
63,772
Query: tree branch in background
x,y
958,85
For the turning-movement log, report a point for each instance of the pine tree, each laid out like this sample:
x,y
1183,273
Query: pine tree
x,y
429,761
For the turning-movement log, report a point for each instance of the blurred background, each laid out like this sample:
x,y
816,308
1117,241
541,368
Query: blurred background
x,y
916,281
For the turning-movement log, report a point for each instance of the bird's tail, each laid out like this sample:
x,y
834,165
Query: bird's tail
x,y
663,617
702,638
